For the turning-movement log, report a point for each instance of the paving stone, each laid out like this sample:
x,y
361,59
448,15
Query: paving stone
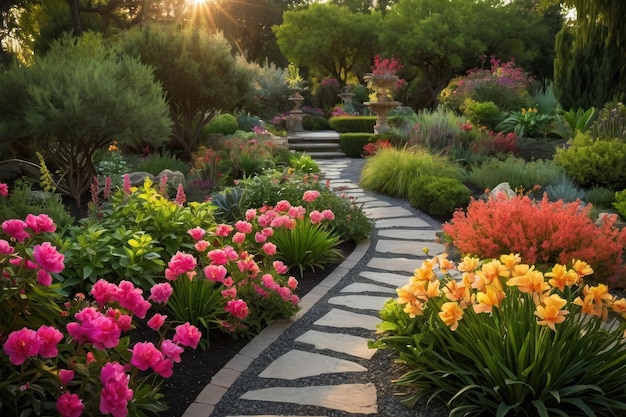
x,y
395,280
365,287
355,195
412,234
376,203
365,198
405,222
395,264
342,319
297,364
407,247
360,302
351,398
387,212
338,342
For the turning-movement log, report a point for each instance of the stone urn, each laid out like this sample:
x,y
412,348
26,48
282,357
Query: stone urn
x,y
383,86
294,120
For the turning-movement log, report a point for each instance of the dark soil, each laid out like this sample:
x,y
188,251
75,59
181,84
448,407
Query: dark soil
x,y
197,367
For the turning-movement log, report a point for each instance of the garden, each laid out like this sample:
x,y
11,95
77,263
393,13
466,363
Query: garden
x,y
154,219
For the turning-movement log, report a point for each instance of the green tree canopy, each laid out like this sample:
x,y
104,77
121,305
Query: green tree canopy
x,y
77,99
330,40
197,71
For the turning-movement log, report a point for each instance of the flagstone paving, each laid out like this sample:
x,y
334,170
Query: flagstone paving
x,y
322,370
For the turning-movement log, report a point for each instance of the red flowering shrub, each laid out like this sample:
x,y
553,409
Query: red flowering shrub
x,y
541,232
371,148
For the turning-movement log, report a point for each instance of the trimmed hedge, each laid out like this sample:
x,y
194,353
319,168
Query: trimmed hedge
x,y
312,123
347,124
352,143
438,196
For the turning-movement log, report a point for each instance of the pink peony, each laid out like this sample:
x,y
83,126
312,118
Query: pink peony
x,y
15,229
160,293
50,338
197,233
156,321
310,196
269,248
48,258
6,248
201,245
243,227
238,308
259,237
250,214
316,217
103,291
164,367
297,212
268,282
145,355
69,405
239,238
41,223
4,189
215,273
282,206
223,230
229,292
131,299
230,253
187,335
328,214
179,264
171,350
115,393
284,292
280,267
292,283
267,231
65,376
217,257
21,345
44,278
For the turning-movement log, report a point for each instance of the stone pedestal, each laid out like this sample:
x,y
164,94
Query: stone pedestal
x,y
382,108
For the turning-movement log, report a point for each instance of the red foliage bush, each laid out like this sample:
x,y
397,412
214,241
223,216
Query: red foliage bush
x,y
542,232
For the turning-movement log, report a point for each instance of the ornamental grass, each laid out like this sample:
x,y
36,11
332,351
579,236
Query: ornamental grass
x,y
500,338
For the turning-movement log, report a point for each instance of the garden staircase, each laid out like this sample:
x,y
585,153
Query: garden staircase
x,y
318,145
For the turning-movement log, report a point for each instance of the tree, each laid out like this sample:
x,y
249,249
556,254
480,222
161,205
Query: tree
x,y
330,40
76,100
197,72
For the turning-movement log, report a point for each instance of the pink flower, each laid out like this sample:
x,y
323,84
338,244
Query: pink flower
x,y
197,233
127,189
268,282
145,355
223,230
217,257
284,292
250,214
171,350
103,291
50,338
310,196
292,283
164,367
328,214
6,248
89,358
15,229
187,335
160,293
264,220
131,299
41,223
316,217
269,248
180,195
230,253
180,264
294,299
66,375
163,185
259,237
239,238
215,273
243,227
238,308
44,278
282,206
280,267
297,212
201,245
156,321
267,231
228,282
106,193
69,405
115,393
48,258
229,292
21,345
4,189
123,321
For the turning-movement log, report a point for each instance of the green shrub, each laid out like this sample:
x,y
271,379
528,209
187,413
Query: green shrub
x,y
246,122
307,245
347,124
594,162
225,124
567,191
326,94
527,122
352,143
482,113
154,163
569,122
312,123
438,196
600,197
620,203
517,172
392,170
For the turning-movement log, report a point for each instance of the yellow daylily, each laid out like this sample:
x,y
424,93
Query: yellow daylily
x,y
450,314
549,311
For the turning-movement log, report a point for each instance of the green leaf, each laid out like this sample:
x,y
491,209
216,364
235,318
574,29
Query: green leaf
x,y
87,271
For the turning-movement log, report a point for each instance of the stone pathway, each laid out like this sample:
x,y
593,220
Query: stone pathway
x,y
319,364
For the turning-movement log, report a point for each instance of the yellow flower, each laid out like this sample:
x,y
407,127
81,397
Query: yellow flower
x,y
511,260
487,299
561,277
455,292
528,280
468,264
582,268
414,309
445,264
406,294
550,313
450,314
619,306
595,301
423,275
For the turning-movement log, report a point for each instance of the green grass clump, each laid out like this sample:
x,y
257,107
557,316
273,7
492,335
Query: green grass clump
x,y
517,172
600,197
157,162
392,170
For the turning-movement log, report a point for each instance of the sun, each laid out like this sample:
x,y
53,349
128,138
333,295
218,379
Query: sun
x,y
197,2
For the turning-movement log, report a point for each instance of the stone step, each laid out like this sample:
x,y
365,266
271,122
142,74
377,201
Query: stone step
x,y
314,146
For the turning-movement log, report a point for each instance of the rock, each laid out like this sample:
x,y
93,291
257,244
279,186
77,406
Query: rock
x,y
173,177
502,188
138,178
